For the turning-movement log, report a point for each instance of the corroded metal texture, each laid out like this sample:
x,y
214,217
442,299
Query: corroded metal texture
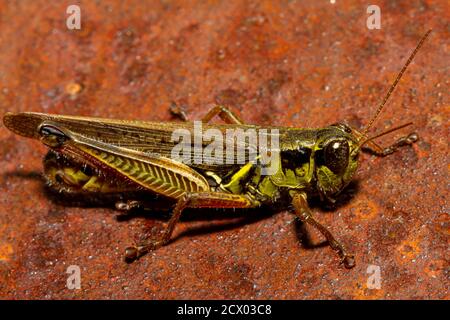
x,y
296,63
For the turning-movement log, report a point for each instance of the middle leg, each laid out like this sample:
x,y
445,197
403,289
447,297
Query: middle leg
x,y
223,112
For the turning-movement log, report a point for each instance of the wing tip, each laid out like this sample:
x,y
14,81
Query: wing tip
x,y
22,123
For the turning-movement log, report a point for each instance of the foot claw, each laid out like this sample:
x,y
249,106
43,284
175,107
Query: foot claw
x,y
135,252
349,261
413,137
128,206
131,254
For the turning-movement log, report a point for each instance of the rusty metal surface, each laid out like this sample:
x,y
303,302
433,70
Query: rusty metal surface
x,y
298,63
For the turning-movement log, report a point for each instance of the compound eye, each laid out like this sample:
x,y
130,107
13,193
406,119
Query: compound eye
x,y
336,155
52,136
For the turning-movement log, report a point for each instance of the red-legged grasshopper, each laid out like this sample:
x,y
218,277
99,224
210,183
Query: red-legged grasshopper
x,y
104,156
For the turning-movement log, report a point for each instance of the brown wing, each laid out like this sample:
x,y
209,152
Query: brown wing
x,y
142,136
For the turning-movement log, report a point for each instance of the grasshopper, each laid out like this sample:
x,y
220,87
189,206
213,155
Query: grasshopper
x,y
105,156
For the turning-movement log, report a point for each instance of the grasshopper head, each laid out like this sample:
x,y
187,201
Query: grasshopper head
x,y
336,159
337,149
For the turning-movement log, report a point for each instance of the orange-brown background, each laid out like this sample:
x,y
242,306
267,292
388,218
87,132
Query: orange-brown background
x,y
296,63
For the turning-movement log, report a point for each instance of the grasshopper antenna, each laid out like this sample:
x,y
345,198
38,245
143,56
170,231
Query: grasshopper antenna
x,y
391,89
385,133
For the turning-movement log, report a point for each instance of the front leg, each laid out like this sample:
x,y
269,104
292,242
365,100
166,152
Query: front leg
x,y
383,152
304,213
375,149
190,200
